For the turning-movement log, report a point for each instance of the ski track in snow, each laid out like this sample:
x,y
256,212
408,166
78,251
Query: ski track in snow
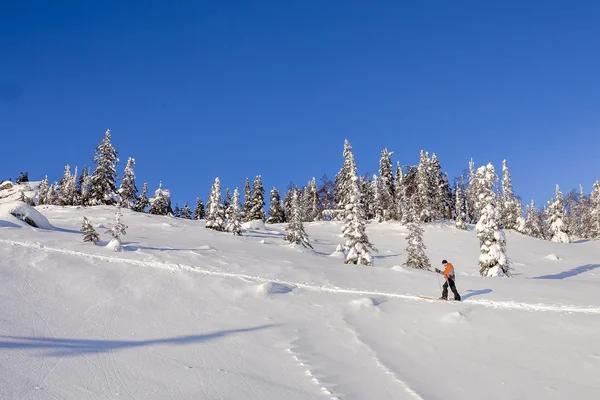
x,y
327,289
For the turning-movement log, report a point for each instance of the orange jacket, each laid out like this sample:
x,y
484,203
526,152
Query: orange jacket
x,y
449,271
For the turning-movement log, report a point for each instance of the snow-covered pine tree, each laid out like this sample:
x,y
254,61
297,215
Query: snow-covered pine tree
x,y
160,204
584,211
43,191
387,188
533,222
177,211
227,200
343,182
142,201
186,211
128,190
595,211
53,195
103,187
89,233
234,216
556,218
357,244
247,206
199,210
326,195
415,248
257,212
67,187
572,217
295,228
287,201
117,231
215,218
399,193
460,208
424,196
85,185
438,189
471,195
276,213
447,201
379,204
492,260
311,201
367,197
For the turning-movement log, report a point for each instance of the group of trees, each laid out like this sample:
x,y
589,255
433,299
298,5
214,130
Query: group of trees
x,y
412,195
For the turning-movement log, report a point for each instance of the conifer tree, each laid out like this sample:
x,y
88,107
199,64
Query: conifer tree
x,y
387,189
215,218
310,202
584,211
118,230
295,228
227,200
492,260
103,187
423,199
85,183
379,203
357,244
89,233
199,210
415,249
143,202
343,182
257,211
186,211
556,216
510,206
53,195
595,212
177,211
43,191
234,219
276,212
471,195
399,191
160,204
247,206
128,190
67,187
460,209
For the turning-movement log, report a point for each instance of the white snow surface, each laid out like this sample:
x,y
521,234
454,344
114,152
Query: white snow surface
x,y
17,213
185,312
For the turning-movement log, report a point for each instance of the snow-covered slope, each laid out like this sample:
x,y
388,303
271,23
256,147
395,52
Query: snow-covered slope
x,y
188,313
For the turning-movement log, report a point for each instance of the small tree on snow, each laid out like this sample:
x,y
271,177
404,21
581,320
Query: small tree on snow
x,y
257,211
43,191
199,210
358,244
556,217
276,212
186,211
492,260
234,216
416,248
143,202
160,204
117,231
295,229
128,191
215,218
89,233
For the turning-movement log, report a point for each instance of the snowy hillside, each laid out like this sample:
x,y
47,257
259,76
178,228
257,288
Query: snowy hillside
x,y
188,313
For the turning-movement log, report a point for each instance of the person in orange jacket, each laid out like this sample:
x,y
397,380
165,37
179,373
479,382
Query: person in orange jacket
x,y
450,277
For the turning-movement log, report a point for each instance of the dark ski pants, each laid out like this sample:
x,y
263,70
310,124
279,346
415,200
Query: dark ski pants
x,y
450,282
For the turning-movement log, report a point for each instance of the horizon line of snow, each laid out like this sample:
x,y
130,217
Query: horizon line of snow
x,y
314,288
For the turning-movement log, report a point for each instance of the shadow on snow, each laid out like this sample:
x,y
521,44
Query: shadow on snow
x,y
570,273
57,347
473,293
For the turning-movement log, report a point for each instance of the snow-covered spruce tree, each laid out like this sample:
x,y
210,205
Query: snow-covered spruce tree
x,y
556,218
378,204
295,228
89,233
234,214
103,187
276,213
399,195
117,231
326,195
584,212
227,199
53,195
186,211
471,195
415,248
67,187
367,197
343,182
215,218
492,260
128,191
508,206
357,244
595,212
142,202
460,208
199,210
425,195
177,211
387,189
43,191
85,187
160,204
257,212
311,202
572,218
438,189
247,206
447,201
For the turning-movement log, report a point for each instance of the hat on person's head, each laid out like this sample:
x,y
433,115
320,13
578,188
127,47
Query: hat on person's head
x,y
444,262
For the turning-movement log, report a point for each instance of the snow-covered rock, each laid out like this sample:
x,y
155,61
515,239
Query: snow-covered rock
x,y
23,215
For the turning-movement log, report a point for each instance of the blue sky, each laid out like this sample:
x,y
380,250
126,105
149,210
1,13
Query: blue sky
x,y
194,89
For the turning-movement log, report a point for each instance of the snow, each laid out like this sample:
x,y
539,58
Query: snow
x,y
255,225
21,214
190,313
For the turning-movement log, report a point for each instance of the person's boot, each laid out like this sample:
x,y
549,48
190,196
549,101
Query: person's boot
x,y
457,297
443,298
